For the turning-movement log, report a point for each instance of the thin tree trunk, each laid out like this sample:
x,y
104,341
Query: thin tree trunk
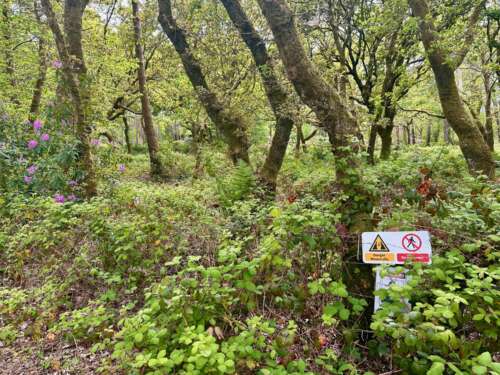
x,y
230,125
75,73
298,138
126,131
488,124
276,93
398,136
42,70
407,133
8,56
474,148
157,169
323,99
428,135
372,140
435,135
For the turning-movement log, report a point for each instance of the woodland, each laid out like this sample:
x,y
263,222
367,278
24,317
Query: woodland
x,y
184,185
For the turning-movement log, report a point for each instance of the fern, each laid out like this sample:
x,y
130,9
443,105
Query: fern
x,y
236,186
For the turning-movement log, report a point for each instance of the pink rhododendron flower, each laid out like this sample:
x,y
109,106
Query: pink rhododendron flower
x,y
95,142
37,125
59,198
57,64
28,179
71,197
121,168
32,144
44,137
32,169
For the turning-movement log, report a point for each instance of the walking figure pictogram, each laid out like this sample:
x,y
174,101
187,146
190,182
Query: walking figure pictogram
x,y
411,242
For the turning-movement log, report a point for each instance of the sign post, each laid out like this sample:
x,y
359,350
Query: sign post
x,y
394,248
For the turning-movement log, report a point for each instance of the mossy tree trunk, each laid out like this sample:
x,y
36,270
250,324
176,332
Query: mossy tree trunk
x,y
230,125
70,50
333,114
474,148
42,69
157,169
275,92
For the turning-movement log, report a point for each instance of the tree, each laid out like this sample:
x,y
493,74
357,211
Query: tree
x,y
275,91
373,45
42,68
230,125
70,50
330,109
472,144
157,169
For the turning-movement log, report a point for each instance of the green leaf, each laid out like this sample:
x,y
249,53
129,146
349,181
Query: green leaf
x,y
484,359
344,314
455,369
437,368
479,370
275,212
138,337
478,317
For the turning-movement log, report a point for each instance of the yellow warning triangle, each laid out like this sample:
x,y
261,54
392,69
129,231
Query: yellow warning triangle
x,y
379,244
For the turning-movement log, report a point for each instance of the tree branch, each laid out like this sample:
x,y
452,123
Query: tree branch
x,y
421,111
469,34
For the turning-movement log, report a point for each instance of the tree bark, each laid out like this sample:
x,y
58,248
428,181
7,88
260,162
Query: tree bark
x,y
488,124
8,56
126,130
69,47
276,93
386,138
428,135
229,124
372,139
157,169
331,111
472,144
42,70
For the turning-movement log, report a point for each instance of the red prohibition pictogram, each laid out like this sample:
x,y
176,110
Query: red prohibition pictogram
x,y
411,242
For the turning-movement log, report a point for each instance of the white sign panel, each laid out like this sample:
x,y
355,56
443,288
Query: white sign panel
x,y
390,278
396,247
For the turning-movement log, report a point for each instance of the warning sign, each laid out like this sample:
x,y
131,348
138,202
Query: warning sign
x,y
411,242
379,244
396,247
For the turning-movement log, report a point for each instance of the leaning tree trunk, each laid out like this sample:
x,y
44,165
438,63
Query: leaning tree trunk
x,y
472,144
42,69
69,47
332,113
229,124
157,170
276,93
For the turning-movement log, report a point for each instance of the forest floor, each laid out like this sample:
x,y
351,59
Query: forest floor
x,y
36,357
80,280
